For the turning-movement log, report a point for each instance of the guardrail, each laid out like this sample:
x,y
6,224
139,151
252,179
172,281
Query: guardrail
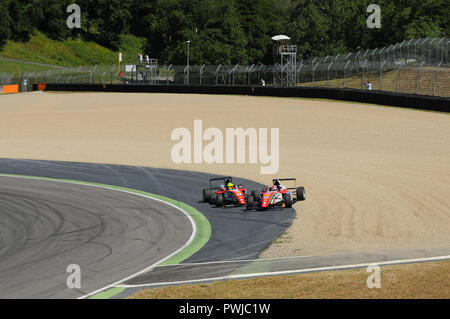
x,y
441,104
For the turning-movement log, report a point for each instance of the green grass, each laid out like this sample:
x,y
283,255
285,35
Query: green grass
x,y
130,47
415,281
16,67
70,53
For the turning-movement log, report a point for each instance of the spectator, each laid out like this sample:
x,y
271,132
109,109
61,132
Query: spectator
x,y
147,59
140,58
263,83
369,85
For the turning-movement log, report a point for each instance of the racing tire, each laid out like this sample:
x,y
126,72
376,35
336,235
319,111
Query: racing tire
x,y
206,195
250,202
301,193
256,195
219,200
288,201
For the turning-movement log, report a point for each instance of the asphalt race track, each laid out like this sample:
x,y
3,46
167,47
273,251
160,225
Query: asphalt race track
x,y
111,236
46,226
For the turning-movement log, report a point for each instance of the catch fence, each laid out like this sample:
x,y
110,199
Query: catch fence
x,y
420,66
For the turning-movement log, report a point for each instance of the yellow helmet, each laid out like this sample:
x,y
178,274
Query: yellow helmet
x,y
230,186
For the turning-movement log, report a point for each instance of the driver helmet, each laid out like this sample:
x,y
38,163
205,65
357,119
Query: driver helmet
x,y
277,184
230,185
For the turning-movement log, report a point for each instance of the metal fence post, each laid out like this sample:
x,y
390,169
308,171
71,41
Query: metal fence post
x,y
46,76
371,57
381,73
335,60
111,75
274,74
186,75
299,73
328,72
249,73
398,77
408,45
23,81
430,50
78,74
245,72
363,76
259,71
422,54
95,67
401,52
30,78
435,79
201,73
62,73
216,74
446,56
415,49
440,57
314,71
393,51
168,74
345,73
418,77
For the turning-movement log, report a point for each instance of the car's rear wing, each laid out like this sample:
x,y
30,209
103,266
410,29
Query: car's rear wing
x,y
287,179
219,179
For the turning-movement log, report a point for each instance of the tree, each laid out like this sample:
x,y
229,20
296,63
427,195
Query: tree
x,y
259,22
5,31
104,20
54,19
25,16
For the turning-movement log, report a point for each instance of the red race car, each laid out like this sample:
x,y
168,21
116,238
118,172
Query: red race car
x,y
276,195
225,194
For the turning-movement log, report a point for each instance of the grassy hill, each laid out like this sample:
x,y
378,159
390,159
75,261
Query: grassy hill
x,y
20,67
67,53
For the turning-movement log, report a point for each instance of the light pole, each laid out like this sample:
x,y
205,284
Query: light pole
x,y
188,61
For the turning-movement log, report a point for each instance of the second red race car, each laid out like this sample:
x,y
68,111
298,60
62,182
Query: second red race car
x,y
276,195
225,194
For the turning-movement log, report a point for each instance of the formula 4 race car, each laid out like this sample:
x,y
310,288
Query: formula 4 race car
x,y
226,193
276,196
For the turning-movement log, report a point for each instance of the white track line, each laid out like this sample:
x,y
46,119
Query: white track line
x,y
194,227
241,260
287,272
